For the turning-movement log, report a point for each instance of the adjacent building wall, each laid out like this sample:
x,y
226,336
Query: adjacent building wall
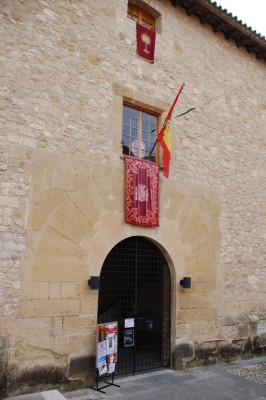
x,y
66,67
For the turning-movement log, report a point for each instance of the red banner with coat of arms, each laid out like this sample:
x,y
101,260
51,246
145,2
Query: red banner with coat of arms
x,y
141,192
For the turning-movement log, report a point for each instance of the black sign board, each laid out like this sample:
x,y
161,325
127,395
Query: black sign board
x,y
129,338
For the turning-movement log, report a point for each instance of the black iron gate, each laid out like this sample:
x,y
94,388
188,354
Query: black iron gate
x,y
135,287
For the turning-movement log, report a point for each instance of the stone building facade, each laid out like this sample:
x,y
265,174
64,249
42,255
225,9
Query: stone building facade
x,y
67,66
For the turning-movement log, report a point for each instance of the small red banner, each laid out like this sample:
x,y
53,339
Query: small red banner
x,y
141,192
145,43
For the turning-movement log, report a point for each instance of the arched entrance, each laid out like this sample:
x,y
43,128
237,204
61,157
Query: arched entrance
x,y
135,286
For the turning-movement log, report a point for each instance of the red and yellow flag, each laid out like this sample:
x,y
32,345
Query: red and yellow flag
x,y
164,136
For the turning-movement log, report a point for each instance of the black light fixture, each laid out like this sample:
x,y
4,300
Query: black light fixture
x,y
186,282
94,282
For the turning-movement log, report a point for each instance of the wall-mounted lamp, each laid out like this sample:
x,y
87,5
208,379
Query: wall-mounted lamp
x,y
94,282
186,282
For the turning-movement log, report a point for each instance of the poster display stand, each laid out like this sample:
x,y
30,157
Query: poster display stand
x,y
106,354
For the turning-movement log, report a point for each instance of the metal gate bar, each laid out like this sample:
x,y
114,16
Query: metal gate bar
x,y
135,283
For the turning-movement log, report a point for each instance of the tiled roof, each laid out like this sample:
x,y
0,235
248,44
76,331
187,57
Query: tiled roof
x,y
209,12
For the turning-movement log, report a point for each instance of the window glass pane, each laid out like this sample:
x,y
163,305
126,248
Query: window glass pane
x,y
126,110
126,140
153,119
149,134
135,123
145,152
126,130
145,127
134,113
145,117
134,147
138,133
145,136
134,133
126,120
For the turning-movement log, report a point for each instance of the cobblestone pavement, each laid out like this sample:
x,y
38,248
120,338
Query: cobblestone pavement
x,y
255,373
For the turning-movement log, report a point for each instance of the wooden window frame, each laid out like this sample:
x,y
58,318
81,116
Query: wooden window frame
x,y
141,16
141,130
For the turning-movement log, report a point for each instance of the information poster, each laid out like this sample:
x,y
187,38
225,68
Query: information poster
x,y
129,338
106,347
129,322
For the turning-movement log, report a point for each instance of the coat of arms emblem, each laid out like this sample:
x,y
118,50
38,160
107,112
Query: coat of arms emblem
x,y
141,193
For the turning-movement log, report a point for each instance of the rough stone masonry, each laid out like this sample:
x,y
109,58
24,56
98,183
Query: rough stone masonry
x,y
66,68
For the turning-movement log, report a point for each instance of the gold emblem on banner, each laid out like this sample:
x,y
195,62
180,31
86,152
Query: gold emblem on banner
x,y
146,39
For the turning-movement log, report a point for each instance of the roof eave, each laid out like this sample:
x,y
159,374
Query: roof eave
x,y
221,21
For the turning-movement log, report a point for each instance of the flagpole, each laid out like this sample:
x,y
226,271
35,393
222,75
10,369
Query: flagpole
x,y
174,103
159,137
167,117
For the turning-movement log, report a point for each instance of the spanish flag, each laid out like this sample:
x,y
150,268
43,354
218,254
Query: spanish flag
x,y
164,136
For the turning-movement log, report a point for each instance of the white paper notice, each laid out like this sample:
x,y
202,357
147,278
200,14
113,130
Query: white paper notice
x,y
129,322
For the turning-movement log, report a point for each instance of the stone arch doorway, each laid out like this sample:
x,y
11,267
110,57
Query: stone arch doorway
x,y
136,286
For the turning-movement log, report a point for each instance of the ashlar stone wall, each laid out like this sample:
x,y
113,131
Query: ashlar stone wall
x,y
66,68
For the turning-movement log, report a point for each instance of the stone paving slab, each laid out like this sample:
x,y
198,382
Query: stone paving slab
x,y
32,396
215,382
52,395
204,383
47,395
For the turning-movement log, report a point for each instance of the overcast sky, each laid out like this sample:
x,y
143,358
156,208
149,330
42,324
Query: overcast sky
x,y
251,12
